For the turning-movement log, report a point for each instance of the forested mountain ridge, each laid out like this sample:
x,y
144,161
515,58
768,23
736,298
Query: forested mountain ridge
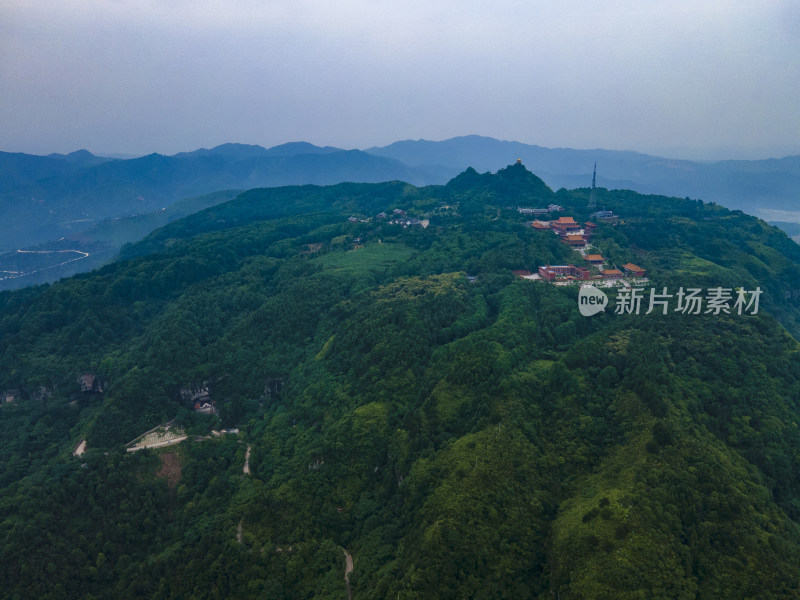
x,y
44,198
459,437
73,203
748,185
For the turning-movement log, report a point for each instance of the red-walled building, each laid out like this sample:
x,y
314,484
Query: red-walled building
x,y
552,272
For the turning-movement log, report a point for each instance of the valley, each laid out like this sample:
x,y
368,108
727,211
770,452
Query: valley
x,y
17,266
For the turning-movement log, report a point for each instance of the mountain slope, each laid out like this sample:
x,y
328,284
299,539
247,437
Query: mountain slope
x,y
457,437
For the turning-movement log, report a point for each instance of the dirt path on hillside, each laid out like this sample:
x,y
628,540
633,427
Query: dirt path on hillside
x,y
246,467
348,568
80,449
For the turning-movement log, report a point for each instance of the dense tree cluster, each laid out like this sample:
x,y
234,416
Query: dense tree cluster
x,y
460,437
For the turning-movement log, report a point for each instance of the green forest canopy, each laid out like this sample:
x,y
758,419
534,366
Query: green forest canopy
x,y
459,437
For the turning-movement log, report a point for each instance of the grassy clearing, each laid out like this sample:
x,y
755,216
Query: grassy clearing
x,y
368,259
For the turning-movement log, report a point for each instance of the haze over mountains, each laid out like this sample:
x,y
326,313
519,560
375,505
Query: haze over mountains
x,y
44,197
736,184
60,197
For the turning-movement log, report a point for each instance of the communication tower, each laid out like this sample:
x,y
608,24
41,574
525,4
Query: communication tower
x,y
593,196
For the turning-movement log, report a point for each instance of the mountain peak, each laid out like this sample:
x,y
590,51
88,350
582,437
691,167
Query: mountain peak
x,y
80,154
513,184
297,148
230,150
79,157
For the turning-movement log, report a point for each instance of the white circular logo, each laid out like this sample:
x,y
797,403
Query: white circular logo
x,y
591,301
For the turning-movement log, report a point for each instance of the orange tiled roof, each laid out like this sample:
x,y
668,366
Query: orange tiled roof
x,y
594,257
632,267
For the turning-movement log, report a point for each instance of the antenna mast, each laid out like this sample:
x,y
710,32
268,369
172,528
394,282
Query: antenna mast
x,y
593,196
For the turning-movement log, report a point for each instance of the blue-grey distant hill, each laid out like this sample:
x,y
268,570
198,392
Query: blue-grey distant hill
x,y
46,197
246,151
747,185
69,200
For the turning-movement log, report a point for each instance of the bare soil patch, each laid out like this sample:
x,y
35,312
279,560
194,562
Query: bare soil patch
x,y
170,469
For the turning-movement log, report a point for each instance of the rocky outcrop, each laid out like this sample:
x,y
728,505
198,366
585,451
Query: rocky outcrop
x,y
42,393
273,387
199,398
89,382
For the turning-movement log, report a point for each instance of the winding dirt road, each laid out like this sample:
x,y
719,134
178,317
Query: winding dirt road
x,y
19,274
348,568
246,467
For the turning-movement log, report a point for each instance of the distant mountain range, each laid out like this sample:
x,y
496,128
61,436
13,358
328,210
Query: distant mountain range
x,y
46,198
737,184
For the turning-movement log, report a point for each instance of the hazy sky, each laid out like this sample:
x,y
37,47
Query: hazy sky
x,y
694,79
